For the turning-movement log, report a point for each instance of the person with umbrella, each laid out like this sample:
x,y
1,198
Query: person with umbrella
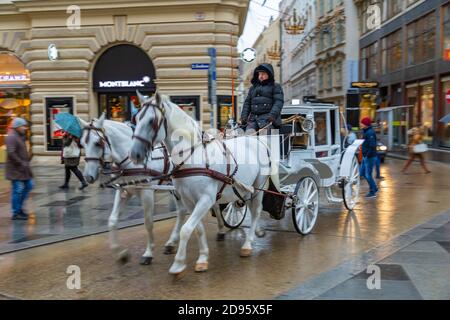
x,y
71,151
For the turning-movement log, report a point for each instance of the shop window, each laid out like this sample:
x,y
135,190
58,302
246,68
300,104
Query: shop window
x,y
189,104
426,108
225,111
54,106
444,139
14,96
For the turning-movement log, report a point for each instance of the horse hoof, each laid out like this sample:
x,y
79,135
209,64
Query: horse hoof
x,y
123,257
179,275
201,267
170,250
145,261
220,237
246,253
260,233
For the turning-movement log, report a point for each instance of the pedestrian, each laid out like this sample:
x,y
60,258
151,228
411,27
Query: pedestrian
x,y
369,151
416,148
351,136
264,102
18,169
71,154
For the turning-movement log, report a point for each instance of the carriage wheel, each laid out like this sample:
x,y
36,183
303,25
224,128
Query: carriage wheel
x,y
233,215
350,190
306,205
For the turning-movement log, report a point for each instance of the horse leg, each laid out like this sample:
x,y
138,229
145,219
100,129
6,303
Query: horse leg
x,y
201,209
119,204
171,244
202,262
221,233
147,200
255,210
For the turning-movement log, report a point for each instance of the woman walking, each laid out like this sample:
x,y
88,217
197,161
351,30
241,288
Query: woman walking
x,y
71,159
416,148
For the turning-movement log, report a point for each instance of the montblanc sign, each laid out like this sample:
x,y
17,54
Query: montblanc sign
x,y
121,84
124,83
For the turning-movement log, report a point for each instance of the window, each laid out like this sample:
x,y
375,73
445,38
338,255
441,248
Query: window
x,y
321,78
421,40
320,132
446,31
189,104
392,52
329,77
444,139
394,7
338,76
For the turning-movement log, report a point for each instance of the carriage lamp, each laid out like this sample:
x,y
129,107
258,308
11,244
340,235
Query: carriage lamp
x,y
308,125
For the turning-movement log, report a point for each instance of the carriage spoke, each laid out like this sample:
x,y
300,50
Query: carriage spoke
x,y
311,196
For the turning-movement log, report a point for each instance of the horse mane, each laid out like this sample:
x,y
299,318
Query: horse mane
x,y
121,127
177,115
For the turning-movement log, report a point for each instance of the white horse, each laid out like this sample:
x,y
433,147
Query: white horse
x,y
161,121
109,137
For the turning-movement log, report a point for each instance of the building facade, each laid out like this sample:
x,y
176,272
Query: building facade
x,y
337,54
407,50
322,61
91,58
299,52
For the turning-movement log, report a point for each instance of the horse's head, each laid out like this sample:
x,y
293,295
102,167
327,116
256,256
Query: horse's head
x,y
97,146
151,127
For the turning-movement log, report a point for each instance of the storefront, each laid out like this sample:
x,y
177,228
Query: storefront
x,y
444,129
118,73
117,49
14,95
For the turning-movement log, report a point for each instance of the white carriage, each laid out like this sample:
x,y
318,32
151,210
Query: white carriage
x,y
312,159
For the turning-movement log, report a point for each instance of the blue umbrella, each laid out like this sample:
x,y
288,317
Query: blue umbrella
x,y
445,119
69,123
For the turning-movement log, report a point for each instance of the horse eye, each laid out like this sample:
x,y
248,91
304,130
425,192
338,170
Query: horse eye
x,y
98,144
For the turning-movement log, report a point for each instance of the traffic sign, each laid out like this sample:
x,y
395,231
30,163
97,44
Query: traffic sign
x,y
248,55
200,66
447,96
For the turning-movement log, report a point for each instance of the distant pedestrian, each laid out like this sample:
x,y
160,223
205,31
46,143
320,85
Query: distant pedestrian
x,y
369,151
71,154
351,136
416,148
18,168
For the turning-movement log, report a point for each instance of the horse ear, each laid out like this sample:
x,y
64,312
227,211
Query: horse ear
x,y
101,120
158,98
83,123
141,97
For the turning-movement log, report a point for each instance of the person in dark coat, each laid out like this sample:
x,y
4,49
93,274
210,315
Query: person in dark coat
x,y
18,168
264,102
370,154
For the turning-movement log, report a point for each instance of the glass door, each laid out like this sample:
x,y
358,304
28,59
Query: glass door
x,y
117,106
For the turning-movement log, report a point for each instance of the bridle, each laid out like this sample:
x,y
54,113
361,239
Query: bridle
x,y
155,124
104,141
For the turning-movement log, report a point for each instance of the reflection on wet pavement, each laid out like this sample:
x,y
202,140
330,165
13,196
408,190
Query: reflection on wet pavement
x,y
56,214
281,261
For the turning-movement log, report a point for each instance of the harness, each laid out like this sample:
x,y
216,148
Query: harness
x,y
126,172
178,172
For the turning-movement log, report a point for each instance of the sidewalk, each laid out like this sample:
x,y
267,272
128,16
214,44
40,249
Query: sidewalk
x,y
57,215
413,266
